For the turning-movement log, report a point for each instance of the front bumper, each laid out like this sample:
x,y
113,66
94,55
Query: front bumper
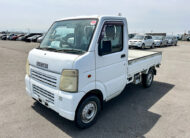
x,y
135,44
63,103
158,44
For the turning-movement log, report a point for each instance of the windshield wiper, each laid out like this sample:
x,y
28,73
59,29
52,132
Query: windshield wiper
x,y
47,48
72,50
69,50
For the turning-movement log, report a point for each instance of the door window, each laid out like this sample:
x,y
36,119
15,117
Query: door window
x,y
146,37
149,37
111,39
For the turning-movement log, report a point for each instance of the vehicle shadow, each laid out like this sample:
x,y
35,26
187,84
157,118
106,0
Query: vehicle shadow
x,y
127,115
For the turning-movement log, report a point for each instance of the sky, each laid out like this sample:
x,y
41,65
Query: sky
x,y
170,16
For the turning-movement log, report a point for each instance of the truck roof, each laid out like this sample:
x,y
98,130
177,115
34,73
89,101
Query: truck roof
x,y
93,16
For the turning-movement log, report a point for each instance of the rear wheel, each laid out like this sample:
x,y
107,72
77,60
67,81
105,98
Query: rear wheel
x,y
87,112
147,79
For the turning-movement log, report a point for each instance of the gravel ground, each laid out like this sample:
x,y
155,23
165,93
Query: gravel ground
x,y
161,111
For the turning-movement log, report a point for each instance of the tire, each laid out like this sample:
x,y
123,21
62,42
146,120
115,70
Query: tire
x,y
86,116
143,46
147,79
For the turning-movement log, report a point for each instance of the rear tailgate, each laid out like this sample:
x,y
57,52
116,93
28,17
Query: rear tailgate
x,y
139,61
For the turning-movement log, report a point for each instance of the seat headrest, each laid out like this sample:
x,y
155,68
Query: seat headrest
x,y
110,31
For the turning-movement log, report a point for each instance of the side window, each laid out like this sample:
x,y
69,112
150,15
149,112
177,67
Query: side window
x,y
146,37
111,39
150,37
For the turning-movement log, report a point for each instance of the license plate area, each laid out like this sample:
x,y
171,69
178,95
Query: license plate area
x,y
43,95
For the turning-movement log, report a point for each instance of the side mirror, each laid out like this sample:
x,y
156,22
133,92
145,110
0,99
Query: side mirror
x,y
105,48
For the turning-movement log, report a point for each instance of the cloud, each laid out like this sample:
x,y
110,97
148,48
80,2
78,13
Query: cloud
x,y
143,16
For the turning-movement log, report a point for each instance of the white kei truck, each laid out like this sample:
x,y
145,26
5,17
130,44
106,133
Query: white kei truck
x,y
83,62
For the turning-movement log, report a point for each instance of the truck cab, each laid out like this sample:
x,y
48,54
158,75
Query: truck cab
x,y
83,62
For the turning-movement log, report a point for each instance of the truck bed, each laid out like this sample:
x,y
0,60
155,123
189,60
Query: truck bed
x,y
139,61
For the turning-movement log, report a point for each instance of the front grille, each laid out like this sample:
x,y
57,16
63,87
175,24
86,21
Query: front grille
x,y
41,92
44,78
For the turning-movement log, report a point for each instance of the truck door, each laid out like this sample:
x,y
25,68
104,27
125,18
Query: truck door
x,y
111,58
150,40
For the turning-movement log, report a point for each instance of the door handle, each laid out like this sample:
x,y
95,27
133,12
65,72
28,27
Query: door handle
x,y
122,56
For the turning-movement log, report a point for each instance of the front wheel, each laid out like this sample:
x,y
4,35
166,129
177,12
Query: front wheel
x,y
87,112
147,79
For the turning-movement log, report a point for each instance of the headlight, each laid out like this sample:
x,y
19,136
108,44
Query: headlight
x,y
27,68
69,81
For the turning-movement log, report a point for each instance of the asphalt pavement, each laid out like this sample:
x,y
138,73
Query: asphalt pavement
x,y
162,111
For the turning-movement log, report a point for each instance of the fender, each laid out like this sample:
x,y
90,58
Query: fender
x,y
89,87
99,86
153,67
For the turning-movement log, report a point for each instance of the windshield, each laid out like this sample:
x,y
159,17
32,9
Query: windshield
x,y
168,37
138,37
157,37
73,36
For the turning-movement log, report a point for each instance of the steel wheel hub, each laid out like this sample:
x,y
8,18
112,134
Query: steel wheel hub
x,y
149,79
89,112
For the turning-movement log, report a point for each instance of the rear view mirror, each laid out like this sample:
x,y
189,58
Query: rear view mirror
x,y
105,48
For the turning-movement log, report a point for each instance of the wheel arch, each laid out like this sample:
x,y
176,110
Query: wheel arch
x,y
151,68
95,92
